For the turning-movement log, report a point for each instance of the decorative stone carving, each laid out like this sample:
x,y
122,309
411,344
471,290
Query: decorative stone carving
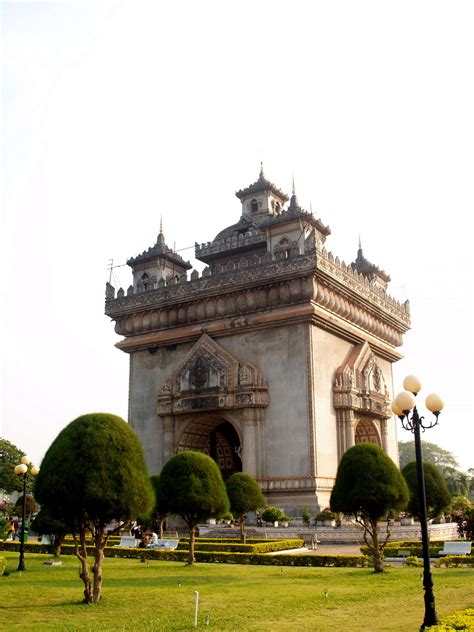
x,y
369,306
359,384
211,378
359,389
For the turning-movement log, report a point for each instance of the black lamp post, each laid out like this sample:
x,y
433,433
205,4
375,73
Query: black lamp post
x,y
22,470
403,404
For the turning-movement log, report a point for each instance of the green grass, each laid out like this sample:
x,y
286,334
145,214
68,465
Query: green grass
x,y
146,597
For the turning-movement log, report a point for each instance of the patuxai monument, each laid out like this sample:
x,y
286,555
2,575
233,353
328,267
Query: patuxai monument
x,y
274,360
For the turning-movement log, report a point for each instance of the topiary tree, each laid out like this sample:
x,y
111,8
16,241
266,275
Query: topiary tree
x,y
191,486
438,498
368,486
244,495
44,524
94,472
159,511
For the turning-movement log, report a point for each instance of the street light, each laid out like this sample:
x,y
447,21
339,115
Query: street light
x,y
22,470
403,404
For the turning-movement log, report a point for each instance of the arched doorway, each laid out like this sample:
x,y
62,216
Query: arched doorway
x,y
217,439
366,432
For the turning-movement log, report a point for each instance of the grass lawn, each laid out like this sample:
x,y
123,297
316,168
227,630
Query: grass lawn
x,y
148,597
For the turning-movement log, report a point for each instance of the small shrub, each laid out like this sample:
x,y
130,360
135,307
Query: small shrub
x,y
272,514
306,516
412,560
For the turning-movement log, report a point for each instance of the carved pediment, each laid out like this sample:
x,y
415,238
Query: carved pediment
x,y
211,378
360,385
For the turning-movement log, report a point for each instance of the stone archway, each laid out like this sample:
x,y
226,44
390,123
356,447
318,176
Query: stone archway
x,y
361,400
218,439
214,403
366,432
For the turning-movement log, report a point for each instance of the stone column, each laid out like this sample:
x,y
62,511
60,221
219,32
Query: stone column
x,y
350,429
249,448
384,434
168,437
341,434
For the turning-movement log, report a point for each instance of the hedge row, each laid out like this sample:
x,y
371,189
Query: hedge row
x,y
220,544
390,551
115,539
263,547
455,560
358,561
411,549
463,620
355,561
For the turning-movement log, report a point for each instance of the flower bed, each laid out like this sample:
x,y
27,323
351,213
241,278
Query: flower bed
x,y
463,620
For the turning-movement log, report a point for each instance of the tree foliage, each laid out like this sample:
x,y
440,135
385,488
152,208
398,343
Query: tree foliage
x,y
44,524
10,456
94,472
465,524
438,498
459,483
368,486
244,495
30,505
191,486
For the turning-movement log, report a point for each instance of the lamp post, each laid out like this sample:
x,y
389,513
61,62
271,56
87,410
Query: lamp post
x,y
403,404
22,470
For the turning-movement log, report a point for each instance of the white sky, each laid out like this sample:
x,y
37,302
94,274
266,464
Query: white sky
x,y
117,112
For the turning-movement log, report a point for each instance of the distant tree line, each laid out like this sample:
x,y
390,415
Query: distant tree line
x,y
459,483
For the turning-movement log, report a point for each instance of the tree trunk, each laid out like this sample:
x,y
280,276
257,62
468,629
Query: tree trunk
x,y
99,542
192,538
243,533
57,542
160,528
81,554
378,555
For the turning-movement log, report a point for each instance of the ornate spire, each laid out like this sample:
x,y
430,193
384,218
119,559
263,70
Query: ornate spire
x,y
261,175
161,238
294,200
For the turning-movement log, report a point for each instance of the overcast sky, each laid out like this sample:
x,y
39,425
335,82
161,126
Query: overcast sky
x,y
115,113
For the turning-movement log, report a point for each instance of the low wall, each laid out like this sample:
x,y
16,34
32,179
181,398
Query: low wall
x,y
347,534
354,534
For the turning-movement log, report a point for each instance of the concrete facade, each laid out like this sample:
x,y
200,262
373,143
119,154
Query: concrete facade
x,y
275,360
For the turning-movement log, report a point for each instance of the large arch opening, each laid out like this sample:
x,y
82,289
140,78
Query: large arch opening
x,y
366,432
218,439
